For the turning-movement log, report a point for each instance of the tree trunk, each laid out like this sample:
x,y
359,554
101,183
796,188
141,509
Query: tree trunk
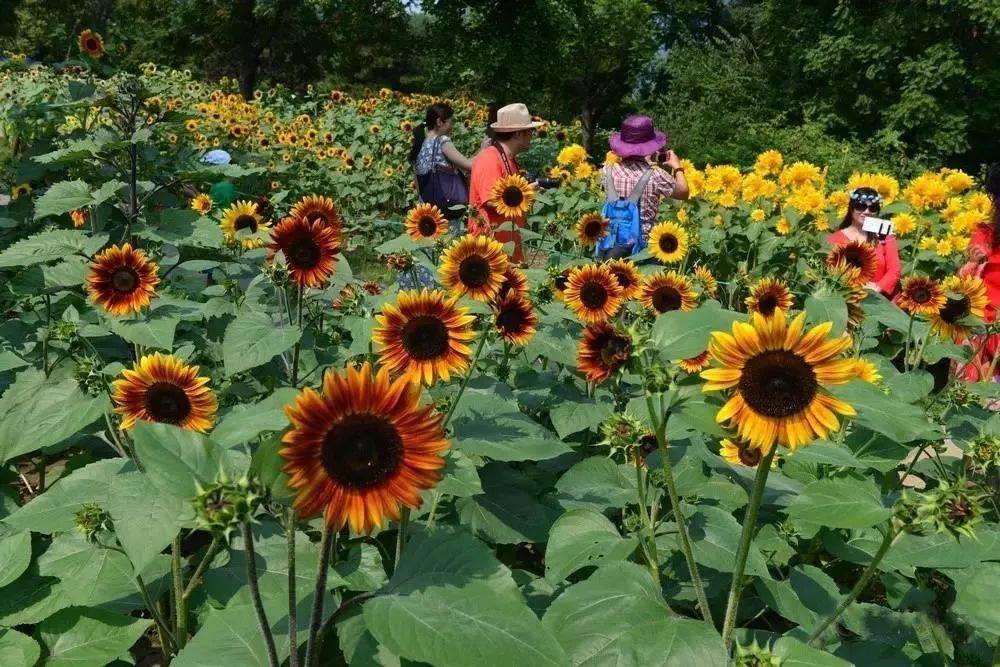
x,y
248,53
587,125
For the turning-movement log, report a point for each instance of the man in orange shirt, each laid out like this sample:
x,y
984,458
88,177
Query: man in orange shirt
x,y
512,133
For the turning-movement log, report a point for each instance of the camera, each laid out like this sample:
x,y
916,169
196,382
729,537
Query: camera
x,y
542,183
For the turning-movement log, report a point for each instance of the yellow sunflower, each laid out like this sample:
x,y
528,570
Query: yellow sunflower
x,y
740,453
424,336
242,223
473,265
425,221
921,295
966,297
361,449
668,242
162,388
593,293
512,196
628,276
515,319
591,228
122,280
777,374
602,351
768,295
866,371
666,291
201,204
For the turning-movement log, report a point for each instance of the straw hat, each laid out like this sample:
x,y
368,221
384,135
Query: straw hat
x,y
514,117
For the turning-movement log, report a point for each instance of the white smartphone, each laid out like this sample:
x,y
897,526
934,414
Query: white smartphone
x,y
879,226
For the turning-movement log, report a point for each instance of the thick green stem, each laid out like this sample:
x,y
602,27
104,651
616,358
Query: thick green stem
x,y
293,629
298,343
859,587
652,557
206,560
180,606
404,522
326,545
743,550
166,637
465,380
675,504
258,604
906,348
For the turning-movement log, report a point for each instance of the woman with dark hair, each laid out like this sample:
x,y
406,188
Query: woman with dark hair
x,y
436,162
865,202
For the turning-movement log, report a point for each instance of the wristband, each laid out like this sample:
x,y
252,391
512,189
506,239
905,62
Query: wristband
x,y
680,169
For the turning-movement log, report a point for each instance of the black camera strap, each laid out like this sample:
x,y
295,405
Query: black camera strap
x,y
506,162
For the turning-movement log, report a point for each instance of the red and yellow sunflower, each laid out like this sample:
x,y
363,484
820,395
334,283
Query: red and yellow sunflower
x,y
310,250
91,43
122,280
318,208
602,351
162,388
515,319
474,265
593,293
628,276
512,196
769,295
591,228
514,282
966,298
425,221
921,295
666,291
858,259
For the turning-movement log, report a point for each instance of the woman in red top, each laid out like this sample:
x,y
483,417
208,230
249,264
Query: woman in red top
x,y
984,261
865,202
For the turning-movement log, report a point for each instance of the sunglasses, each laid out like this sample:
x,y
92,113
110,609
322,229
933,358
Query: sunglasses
x,y
871,208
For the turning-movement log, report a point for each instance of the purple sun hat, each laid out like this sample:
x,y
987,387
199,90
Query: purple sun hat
x,y
637,138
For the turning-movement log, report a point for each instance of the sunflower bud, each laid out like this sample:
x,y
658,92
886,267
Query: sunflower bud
x,y
93,522
276,273
984,453
400,261
88,376
621,431
755,655
954,507
657,378
63,330
222,506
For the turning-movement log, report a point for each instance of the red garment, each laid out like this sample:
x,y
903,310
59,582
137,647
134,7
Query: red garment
x,y
982,244
889,267
487,169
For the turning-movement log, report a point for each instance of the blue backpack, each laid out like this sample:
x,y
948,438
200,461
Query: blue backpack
x,y
624,231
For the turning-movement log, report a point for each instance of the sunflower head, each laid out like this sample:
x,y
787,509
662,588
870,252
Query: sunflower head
x,y
474,265
424,336
593,293
769,295
921,295
241,223
591,228
603,350
514,282
668,242
201,204
776,375
628,276
515,319
310,250
91,44
362,448
560,282
857,255
122,280
666,291
740,452
79,217
965,298
704,277
512,196
425,221
694,364
317,208
162,388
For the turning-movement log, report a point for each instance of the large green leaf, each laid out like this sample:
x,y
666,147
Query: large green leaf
x,y
808,595
572,416
886,312
827,308
581,538
842,502
36,412
884,414
715,536
63,197
245,422
682,335
146,518
794,653
976,593
597,483
253,339
15,555
618,617
81,637
52,512
18,650
450,626
154,329
177,460
511,509
510,436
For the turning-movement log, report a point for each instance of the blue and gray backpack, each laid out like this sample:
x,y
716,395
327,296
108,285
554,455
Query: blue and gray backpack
x,y
624,230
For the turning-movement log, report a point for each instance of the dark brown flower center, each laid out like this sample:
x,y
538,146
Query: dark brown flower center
x,y
920,295
955,309
512,196
593,296
91,44
778,384
666,298
474,271
245,222
767,303
615,350
592,229
511,319
622,277
361,451
425,337
561,281
855,257
124,279
303,253
427,226
749,456
166,402
668,243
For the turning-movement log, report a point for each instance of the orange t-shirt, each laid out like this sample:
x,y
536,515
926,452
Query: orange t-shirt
x,y
487,169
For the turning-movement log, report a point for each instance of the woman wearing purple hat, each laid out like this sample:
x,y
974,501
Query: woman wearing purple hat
x,y
634,144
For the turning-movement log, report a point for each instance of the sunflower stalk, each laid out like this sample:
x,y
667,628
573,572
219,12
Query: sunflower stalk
x,y
180,606
258,604
465,380
660,427
652,557
888,540
404,522
293,628
298,343
166,637
327,544
200,570
743,550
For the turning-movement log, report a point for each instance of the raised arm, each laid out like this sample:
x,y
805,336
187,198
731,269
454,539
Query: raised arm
x,y
455,156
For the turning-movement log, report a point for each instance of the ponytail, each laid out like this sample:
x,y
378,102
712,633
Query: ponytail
x,y
419,134
435,113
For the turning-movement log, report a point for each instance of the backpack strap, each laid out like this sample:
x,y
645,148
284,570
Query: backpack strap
x,y
640,186
610,192
435,146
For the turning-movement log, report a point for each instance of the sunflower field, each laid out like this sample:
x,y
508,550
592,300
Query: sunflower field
x,y
318,424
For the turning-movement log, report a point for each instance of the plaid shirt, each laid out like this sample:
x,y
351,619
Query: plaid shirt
x,y
627,173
